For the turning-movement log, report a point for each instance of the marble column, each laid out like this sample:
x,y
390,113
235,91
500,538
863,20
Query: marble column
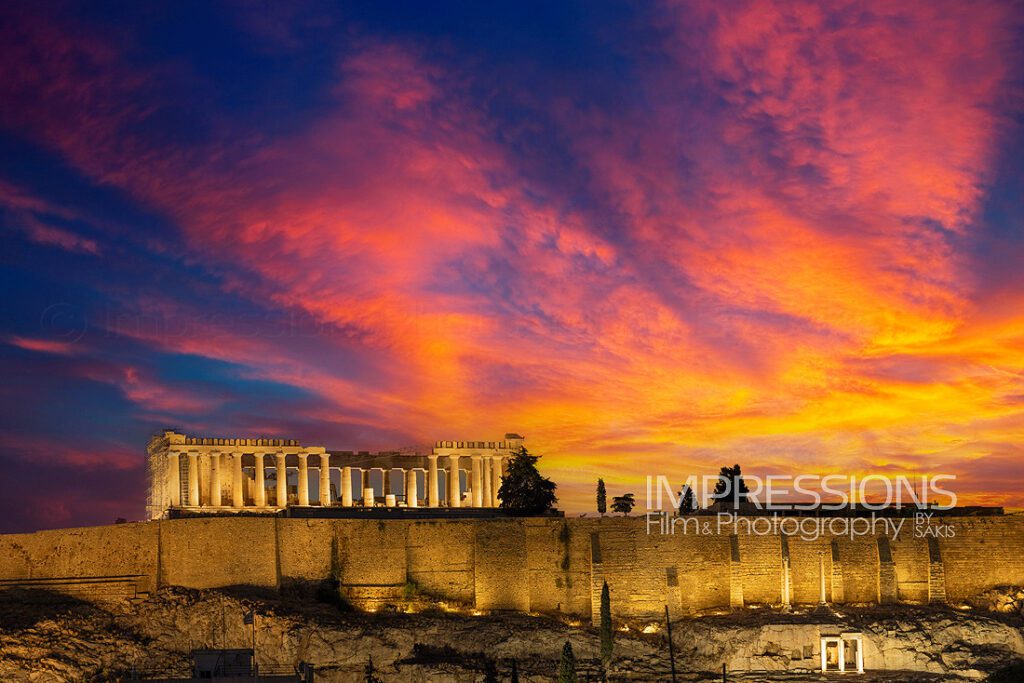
x,y
325,479
368,496
193,479
454,487
215,498
303,479
821,575
385,481
488,468
476,482
496,480
433,489
204,480
346,487
237,499
282,480
260,495
410,489
174,479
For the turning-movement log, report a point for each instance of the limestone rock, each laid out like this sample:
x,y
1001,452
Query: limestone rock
x,y
47,638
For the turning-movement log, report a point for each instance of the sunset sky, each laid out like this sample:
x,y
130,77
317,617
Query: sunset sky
x,y
654,238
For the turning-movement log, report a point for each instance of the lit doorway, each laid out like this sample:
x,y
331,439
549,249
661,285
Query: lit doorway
x,y
842,653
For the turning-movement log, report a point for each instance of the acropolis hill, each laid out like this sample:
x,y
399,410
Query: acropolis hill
x,y
213,526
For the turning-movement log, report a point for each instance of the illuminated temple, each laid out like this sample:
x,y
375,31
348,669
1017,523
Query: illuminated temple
x,y
196,474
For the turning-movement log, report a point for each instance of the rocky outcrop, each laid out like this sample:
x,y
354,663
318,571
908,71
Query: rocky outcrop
x,y
1002,599
47,638
919,639
944,642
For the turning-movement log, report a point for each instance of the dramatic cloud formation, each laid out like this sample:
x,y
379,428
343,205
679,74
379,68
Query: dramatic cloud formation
x,y
655,242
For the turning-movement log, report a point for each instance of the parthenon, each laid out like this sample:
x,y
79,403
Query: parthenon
x,y
233,474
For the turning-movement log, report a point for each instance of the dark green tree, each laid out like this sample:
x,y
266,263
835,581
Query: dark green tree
x,y
523,489
490,672
371,672
602,497
623,503
730,486
687,501
567,667
607,635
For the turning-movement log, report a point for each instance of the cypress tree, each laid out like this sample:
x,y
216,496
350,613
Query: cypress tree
x,y
602,497
567,667
490,672
607,635
371,672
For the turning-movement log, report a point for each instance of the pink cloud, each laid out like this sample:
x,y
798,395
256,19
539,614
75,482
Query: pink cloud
x,y
48,235
32,215
42,345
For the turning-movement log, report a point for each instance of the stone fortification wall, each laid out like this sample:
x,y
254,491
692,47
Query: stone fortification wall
x,y
549,565
986,552
119,550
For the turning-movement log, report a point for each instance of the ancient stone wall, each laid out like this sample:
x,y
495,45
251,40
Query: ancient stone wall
x,y
440,559
307,549
498,547
986,552
118,550
215,552
859,558
541,565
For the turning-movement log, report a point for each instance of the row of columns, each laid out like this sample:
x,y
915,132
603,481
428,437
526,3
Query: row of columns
x,y
484,479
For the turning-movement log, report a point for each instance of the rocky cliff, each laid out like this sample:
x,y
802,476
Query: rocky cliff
x,y
48,638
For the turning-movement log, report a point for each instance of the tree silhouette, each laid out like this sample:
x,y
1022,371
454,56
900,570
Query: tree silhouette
x,y
602,497
490,672
730,485
623,503
607,635
687,501
567,667
371,672
523,489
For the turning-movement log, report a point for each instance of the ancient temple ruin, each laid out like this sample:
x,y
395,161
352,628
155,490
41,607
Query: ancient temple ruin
x,y
188,473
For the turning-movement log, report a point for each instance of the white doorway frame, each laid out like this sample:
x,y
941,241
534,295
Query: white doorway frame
x,y
840,643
